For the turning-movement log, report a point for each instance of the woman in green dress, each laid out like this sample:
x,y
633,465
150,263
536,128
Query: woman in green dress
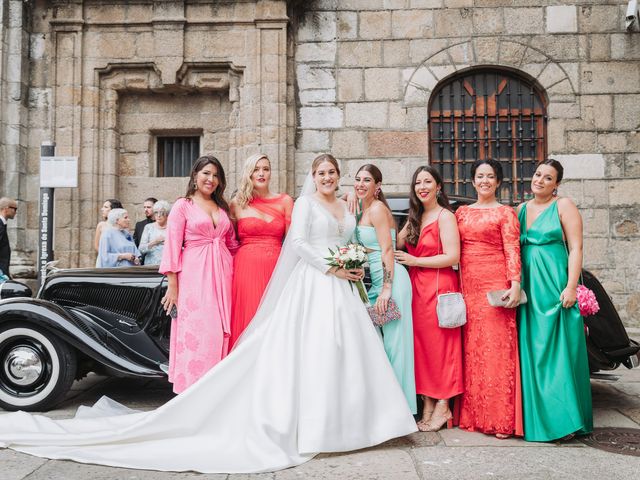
x,y
556,391
376,231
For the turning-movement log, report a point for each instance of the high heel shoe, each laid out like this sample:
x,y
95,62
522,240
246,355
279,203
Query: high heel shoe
x,y
426,415
440,417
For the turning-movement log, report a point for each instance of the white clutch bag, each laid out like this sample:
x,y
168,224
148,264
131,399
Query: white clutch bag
x,y
495,298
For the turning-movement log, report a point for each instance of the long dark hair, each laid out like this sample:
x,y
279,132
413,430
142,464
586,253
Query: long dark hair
x,y
416,209
218,194
114,203
377,177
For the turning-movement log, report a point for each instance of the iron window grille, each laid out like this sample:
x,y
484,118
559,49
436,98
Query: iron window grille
x,y
488,114
176,155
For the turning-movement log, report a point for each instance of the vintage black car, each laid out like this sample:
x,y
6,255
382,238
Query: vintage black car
x,y
110,321
82,320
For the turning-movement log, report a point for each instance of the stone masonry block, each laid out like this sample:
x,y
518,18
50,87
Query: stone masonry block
x,y
562,19
395,52
308,97
317,27
423,78
451,22
398,144
347,25
624,192
551,74
382,84
488,20
408,24
314,78
462,53
583,166
348,143
581,142
419,50
632,165
350,85
511,53
313,141
523,20
319,52
375,25
359,54
366,114
595,193
626,111
426,3
624,47
556,47
598,18
612,142
320,117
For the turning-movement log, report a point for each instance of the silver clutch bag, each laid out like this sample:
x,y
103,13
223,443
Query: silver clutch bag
x,y
495,298
451,310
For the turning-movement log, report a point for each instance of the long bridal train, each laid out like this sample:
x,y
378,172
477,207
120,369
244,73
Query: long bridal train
x,y
310,375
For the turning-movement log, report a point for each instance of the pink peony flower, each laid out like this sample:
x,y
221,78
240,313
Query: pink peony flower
x,y
587,301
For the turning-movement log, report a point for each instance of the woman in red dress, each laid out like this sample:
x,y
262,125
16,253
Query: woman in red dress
x,y
262,220
433,244
490,260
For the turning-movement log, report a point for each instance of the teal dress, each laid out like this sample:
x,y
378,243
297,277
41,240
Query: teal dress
x,y
556,390
397,336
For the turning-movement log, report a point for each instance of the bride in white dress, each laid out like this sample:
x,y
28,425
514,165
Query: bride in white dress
x,y
309,375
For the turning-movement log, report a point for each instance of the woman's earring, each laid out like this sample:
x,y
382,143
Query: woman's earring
x,y
195,186
438,194
555,192
377,194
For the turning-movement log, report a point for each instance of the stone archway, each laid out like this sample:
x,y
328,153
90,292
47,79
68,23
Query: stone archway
x,y
557,80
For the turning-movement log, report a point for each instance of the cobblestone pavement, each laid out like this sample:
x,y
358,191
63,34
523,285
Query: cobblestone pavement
x,y
448,454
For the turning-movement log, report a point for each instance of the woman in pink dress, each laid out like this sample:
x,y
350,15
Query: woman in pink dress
x,y
198,263
490,260
262,220
433,247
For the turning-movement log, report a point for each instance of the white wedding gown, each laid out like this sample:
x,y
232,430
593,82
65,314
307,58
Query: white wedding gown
x,y
310,375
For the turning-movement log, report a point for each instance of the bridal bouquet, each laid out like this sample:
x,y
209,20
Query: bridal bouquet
x,y
352,255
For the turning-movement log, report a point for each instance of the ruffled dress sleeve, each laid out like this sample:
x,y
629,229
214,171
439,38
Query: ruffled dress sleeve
x,y
510,229
174,240
299,235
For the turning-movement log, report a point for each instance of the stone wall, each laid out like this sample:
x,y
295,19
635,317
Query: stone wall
x,y
109,75
365,71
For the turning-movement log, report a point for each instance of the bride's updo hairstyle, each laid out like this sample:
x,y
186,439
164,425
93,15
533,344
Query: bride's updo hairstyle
x,y
325,157
377,177
245,189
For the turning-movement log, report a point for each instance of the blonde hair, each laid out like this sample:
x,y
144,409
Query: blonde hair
x,y
245,190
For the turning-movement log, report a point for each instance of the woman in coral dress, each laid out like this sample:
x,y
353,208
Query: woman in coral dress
x,y
262,220
433,246
198,263
490,260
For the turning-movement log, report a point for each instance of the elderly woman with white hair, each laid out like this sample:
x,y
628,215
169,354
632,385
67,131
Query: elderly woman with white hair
x,y
117,248
153,235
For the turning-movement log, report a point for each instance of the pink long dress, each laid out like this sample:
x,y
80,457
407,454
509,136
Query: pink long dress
x,y
200,254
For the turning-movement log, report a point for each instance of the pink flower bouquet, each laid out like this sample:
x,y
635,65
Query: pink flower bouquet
x,y
587,302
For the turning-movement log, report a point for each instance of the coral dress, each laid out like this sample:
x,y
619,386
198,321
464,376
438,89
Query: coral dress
x,y
556,390
489,260
438,351
200,253
253,264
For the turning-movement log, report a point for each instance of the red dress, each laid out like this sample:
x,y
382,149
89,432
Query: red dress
x,y
489,260
253,264
438,351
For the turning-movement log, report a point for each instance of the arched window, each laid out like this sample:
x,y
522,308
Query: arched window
x,y
487,113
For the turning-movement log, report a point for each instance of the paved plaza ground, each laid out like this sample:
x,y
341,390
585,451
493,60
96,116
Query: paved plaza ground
x,y
449,454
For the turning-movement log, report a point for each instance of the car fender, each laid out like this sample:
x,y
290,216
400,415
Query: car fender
x,y
54,318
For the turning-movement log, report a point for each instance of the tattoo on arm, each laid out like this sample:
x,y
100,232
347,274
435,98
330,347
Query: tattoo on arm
x,y
387,275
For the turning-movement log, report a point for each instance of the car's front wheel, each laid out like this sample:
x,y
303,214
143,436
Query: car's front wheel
x,y
36,368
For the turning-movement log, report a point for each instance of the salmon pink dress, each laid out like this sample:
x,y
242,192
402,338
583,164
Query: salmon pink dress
x,y
260,245
438,351
489,260
199,252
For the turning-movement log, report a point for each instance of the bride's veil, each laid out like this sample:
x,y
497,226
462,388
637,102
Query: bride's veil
x,y
286,262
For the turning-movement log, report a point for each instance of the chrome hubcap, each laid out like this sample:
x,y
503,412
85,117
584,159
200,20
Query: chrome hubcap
x,y
23,365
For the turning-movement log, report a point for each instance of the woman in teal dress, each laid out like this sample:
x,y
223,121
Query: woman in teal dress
x,y
556,391
376,231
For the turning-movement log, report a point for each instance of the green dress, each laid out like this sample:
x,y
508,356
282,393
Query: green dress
x,y
397,336
556,390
